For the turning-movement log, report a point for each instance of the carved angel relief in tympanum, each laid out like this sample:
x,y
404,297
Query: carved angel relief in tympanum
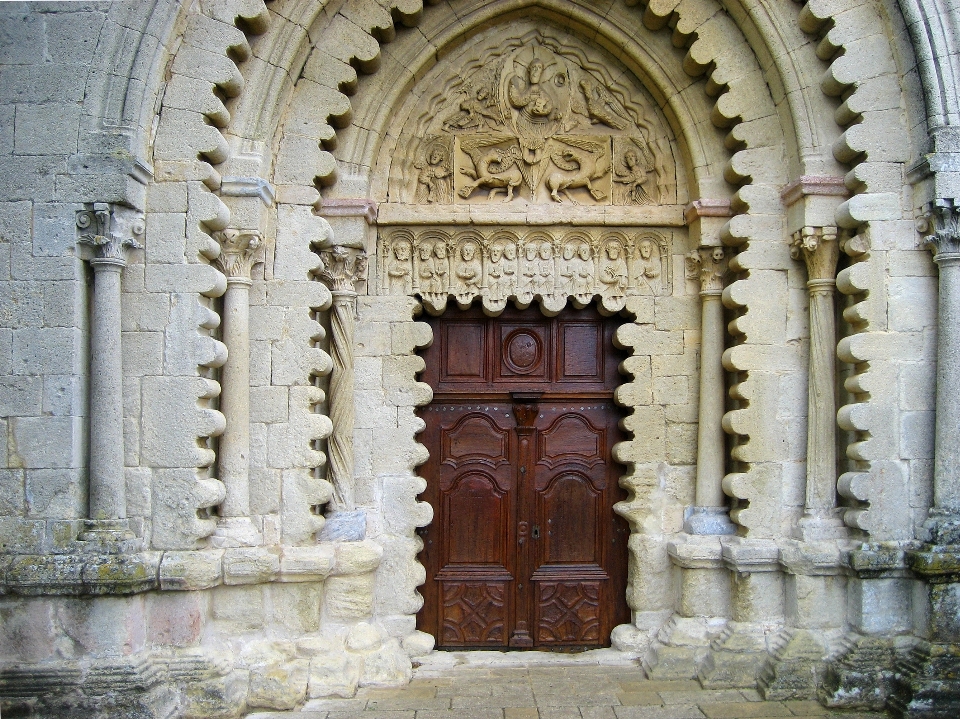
x,y
533,119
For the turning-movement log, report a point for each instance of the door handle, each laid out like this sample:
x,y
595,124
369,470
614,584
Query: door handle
x,y
535,533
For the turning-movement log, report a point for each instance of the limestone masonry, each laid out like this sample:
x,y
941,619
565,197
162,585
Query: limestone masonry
x,y
225,224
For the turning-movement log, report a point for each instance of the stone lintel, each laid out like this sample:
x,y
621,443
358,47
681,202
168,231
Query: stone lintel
x,y
750,555
527,215
696,551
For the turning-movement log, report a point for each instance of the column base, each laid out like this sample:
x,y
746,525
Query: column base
x,y
927,683
735,658
236,532
680,646
109,536
708,520
796,666
343,526
862,675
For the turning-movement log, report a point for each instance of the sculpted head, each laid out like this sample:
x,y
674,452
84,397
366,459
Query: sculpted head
x,y
717,254
468,251
401,250
613,251
630,159
425,251
584,252
535,70
496,252
546,251
568,252
437,156
530,252
646,249
510,251
440,250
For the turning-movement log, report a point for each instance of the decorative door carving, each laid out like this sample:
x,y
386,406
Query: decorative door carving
x,y
525,549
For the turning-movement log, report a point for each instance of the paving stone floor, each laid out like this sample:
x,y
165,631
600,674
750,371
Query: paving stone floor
x,y
535,685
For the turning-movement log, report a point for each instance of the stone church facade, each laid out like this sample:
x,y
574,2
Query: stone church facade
x,y
336,333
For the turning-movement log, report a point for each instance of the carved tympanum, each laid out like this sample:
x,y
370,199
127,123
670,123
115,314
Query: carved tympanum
x,y
533,117
552,267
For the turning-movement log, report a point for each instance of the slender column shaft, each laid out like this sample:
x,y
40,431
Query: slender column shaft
x,y
821,401
946,486
820,251
342,412
107,482
235,399
710,439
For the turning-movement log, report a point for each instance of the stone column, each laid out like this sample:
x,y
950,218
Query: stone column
x,y
108,231
343,268
710,514
820,250
928,681
240,250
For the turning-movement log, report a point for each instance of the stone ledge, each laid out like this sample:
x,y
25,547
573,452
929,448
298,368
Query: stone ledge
x,y
97,574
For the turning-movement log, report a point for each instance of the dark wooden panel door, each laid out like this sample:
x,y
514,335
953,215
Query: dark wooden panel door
x,y
525,549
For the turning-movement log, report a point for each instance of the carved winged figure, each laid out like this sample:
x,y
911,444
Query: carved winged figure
x,y
633,175
602,107
433,181
494,167
480,106
589,165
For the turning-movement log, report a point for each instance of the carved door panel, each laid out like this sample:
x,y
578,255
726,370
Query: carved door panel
x,y
524,549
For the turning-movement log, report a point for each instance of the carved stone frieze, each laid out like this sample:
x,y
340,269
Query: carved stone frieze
x,y
553,266
532,117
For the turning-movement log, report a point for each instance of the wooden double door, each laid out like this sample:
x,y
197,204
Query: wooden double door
x,y
525,549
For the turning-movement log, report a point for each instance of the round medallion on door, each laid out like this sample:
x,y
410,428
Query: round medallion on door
x,y
524,352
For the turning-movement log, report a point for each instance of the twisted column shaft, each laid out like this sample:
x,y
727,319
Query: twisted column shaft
x,y
342,412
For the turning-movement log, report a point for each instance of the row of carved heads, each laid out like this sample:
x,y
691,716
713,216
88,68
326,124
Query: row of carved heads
x,y
436,265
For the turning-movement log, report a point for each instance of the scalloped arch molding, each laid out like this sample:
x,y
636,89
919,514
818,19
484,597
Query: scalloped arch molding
x,y
789,318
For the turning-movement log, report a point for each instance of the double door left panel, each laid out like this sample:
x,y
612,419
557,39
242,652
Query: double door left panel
x,y
474,560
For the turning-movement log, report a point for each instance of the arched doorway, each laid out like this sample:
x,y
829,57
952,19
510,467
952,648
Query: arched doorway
x,y
525,549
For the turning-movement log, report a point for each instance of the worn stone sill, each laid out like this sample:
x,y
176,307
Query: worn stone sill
x,y
94,573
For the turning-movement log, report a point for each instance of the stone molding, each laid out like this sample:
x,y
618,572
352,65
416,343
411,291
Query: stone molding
x,y
552,265
706,207
86,573
348,207
818,185
249,187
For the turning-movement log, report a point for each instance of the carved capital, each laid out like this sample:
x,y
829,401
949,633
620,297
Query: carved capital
x,y
110,230
820,250
343,267
240,250
940,226
709,265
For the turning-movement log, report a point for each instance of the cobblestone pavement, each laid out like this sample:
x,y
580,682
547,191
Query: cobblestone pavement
x,y
535,685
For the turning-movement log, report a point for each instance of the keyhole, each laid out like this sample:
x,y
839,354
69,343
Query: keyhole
x,y
536,531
